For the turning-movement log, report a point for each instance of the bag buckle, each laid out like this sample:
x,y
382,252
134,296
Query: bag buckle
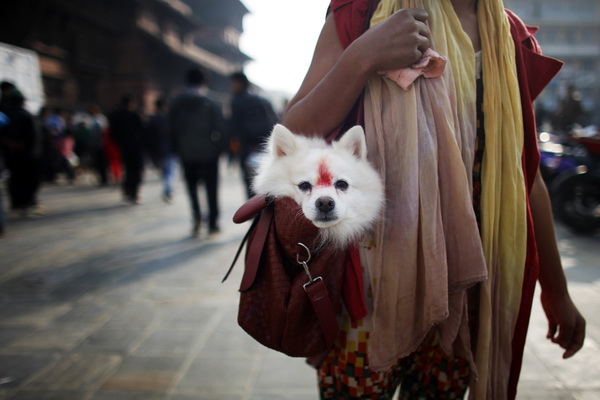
x,y
304,264
307,284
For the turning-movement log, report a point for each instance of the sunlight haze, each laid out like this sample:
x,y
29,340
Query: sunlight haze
x,y
280,36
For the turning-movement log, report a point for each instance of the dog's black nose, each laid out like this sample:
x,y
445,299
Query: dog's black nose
x,y
325,204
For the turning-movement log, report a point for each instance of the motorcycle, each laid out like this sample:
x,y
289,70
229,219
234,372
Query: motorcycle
x,y
571,168
556,156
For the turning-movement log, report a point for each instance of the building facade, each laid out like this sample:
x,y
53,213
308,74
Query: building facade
x,y
94,51
569,31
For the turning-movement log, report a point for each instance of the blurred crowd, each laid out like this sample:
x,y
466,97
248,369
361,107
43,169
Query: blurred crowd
x,y
115,146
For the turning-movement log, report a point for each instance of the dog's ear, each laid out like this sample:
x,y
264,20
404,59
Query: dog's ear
x,y
282,141
354,142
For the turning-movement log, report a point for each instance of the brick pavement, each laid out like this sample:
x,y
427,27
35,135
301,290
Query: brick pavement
x,y
104,301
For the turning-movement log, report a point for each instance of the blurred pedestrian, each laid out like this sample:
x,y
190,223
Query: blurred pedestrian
x,y
3,124
56,121
569,110
159,139
252,119
5,88
113,156
97,150
50,158
196,125
81,124
126,130
2,213
68,159
21,146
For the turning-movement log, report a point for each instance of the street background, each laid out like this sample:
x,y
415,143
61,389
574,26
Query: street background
x,y
100,300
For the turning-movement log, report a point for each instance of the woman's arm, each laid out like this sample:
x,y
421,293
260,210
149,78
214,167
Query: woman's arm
x,y
562,314
337,76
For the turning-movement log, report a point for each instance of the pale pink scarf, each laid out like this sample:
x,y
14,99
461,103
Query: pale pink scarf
x,y
427,251
429,242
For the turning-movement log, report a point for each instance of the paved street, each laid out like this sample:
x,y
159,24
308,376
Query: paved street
x,y
103,301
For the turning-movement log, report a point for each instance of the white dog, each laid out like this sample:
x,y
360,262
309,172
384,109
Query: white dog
x,y
337,188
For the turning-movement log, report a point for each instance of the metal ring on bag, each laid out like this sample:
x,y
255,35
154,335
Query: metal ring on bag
x,y
307,252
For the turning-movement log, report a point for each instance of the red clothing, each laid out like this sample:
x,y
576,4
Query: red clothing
x,y
114,156
65,146
534,72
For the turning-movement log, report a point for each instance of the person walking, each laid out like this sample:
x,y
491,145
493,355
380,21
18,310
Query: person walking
x,y
3,124
196,126
68,160
126,130
99,159
50,158
252,119
467,230
569,111
160,146
2,212
21,145
5,88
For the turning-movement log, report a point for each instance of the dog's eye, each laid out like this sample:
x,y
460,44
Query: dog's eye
x,y
305,186
341,185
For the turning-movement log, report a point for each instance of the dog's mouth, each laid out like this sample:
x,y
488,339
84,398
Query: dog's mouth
x,y
323,220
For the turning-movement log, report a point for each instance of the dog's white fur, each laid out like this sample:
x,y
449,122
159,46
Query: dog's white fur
x,y
290,161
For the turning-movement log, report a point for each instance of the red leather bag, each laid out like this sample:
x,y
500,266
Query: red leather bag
x,y
291,290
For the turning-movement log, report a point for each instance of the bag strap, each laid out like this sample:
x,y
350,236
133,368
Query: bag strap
x,y
317,293
252,208
239,250
255,251
321,303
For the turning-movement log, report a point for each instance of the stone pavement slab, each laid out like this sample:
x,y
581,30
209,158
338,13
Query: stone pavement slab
x,y
144,374
50,395
16,368
77,372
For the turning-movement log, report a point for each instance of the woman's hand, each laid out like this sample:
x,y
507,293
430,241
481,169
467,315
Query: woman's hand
x,y
397,42
563,316
566,326
338,75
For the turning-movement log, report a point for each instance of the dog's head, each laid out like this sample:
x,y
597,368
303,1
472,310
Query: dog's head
x,y
338,189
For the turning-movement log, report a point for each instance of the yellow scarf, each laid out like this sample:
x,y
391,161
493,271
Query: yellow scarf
x,y
503,198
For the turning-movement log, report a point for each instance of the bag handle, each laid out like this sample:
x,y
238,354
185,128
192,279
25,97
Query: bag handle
x,y
261,225
250,209
239,250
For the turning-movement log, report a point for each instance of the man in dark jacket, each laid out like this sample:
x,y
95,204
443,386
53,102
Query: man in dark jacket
x,y
126,130
252,119
196,124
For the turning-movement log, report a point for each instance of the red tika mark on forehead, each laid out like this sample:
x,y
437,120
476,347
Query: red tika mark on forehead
x,y
325,176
